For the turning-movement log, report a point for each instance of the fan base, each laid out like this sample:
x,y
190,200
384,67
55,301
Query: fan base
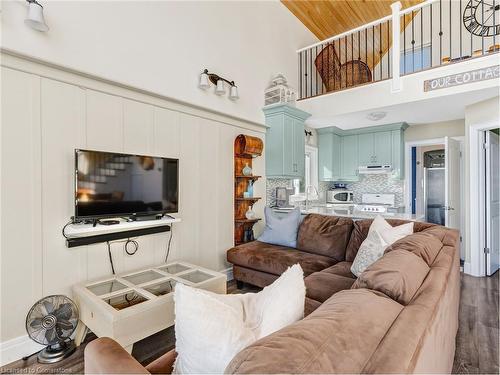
x,y
57,352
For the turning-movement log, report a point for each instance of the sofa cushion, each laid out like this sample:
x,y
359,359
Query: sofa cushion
x,y
339,337
398,274
322,285
425,245
360,232
310,305
254,277
325,235
341,269
275,259
422,339
447,236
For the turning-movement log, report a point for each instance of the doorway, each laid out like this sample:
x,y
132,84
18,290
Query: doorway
x,y
433,184
428,183
492,200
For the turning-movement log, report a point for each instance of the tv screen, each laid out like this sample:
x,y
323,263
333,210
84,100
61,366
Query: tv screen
x,y
112,185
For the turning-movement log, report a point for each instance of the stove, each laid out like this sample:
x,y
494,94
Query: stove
x,y
371,208
376,203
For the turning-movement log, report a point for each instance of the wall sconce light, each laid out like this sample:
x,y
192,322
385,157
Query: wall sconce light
x,y
218,81
35,18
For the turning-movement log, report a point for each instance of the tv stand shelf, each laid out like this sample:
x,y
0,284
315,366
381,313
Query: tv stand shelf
x,y
86,234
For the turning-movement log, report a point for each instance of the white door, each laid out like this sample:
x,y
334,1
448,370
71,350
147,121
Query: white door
x,y
452,183
492,202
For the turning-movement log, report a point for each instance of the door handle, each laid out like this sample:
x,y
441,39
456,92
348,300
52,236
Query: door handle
x,y
447,208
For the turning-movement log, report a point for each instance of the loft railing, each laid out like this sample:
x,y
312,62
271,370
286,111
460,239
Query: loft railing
x,y
427,35
346,60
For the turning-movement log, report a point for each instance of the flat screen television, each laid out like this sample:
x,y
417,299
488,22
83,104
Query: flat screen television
x,y
110,184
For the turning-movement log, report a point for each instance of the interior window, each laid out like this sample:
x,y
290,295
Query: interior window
x,y
415,60
308,169
310,172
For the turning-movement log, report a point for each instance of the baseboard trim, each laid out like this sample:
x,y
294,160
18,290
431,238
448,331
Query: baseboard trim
x,y
467,268
17,348
229,273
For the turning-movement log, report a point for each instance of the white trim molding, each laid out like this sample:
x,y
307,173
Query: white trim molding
x,y
467,268
16,348
476,197
408,147
229,273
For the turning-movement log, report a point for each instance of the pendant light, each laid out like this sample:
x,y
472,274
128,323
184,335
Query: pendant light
x,y
35,18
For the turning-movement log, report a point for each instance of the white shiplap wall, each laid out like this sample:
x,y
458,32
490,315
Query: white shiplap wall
x,y
46,114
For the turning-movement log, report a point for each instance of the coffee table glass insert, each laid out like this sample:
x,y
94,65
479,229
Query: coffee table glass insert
x,y
196,276
106,287
174,268
162,288
124,300
143,277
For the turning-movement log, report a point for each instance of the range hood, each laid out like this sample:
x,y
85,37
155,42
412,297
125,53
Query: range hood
x,y
375,169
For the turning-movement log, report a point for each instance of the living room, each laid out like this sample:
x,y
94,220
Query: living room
x,y
219,93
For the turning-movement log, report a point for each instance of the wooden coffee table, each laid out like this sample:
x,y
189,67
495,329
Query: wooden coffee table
x,y
134,305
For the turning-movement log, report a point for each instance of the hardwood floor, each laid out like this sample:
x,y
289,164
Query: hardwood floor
x,y
478,334
477,339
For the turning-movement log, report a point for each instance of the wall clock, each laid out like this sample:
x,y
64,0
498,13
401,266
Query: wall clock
x,y
482,17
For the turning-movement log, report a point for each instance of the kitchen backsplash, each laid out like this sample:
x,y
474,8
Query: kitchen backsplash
x,y
380,183
367,184
273,183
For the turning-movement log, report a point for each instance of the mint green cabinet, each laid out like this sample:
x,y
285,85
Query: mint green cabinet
x,y
349,158
375,148
398,156
285,141
341,152
366,149
329,155
382,148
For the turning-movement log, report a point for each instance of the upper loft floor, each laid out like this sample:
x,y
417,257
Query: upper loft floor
x,y
390,59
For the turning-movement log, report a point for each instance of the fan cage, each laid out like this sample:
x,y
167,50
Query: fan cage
x,y
52,319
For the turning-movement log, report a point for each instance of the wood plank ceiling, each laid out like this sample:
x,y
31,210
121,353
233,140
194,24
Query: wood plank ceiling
x,y
327,18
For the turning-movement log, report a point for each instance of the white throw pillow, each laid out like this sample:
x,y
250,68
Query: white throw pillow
x,y
210,328
380,235
396,233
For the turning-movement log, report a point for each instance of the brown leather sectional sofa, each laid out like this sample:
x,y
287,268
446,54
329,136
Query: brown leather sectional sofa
x,y
399,316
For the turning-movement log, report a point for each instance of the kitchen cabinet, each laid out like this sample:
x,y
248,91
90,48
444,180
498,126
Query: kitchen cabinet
x,y
349,158
329,155
375,148
341,152
398,154
366,150
285,141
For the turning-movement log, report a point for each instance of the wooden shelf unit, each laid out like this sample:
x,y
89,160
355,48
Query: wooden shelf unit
x,y
246,148
248,177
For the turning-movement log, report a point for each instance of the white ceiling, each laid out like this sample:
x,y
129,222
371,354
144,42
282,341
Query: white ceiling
x,y
445,108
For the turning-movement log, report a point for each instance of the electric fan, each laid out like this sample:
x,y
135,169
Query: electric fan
x,y
51,321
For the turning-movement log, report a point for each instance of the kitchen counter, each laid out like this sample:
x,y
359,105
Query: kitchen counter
x,y
354,214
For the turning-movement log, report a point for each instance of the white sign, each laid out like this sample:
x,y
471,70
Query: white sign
x,y
492,72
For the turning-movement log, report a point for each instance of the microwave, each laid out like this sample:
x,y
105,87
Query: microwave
x,y
339,196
